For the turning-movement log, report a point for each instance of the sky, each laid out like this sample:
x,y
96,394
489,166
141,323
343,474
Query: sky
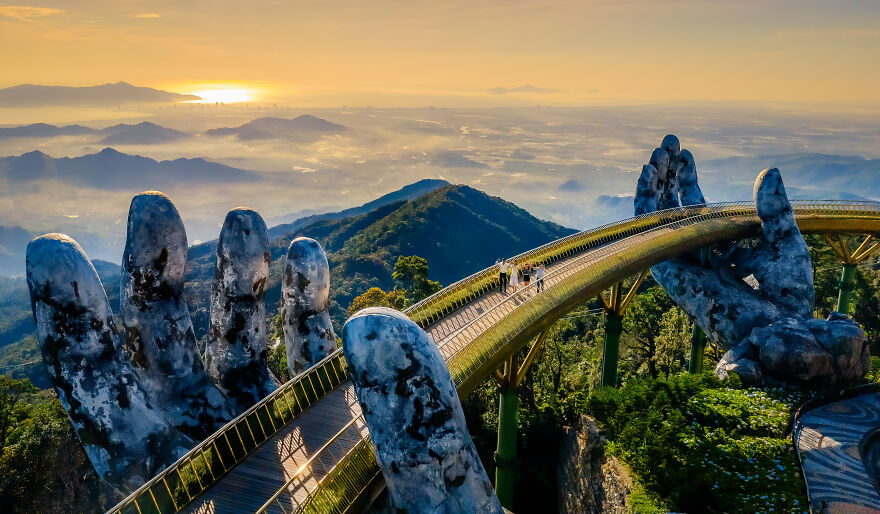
x,y
398,53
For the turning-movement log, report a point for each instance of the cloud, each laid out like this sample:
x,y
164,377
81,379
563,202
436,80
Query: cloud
x,y
528,88
147,15
26,13
453,159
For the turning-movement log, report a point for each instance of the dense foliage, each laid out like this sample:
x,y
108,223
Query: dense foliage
x,y
43,467
702,445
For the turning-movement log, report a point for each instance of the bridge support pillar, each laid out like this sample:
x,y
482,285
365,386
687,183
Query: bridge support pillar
x,y
846,286
614,307
505,455
611,353
509,378
851,259
698,347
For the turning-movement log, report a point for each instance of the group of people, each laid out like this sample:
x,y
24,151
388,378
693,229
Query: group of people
x,y
515,275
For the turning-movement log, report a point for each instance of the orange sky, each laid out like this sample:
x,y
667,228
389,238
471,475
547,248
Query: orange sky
x,y
589,51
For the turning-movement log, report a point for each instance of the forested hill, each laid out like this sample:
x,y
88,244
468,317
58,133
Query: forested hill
x,y
458,229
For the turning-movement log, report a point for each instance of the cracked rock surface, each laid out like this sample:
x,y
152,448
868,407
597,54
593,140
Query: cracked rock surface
x,y
756,301
235,354
139,397
305,297
125,435
159,336
415,419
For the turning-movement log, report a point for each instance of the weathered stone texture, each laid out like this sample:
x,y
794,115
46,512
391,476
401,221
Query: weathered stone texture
x,y
414,416
127,438
756,301
236,355
588,481
305,297
160,341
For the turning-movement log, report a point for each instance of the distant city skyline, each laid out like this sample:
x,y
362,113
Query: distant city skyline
x,y
493,53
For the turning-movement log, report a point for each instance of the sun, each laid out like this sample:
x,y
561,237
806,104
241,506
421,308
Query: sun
x,y
224,94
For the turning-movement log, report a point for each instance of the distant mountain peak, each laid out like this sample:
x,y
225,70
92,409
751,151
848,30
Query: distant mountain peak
x,y
109,94
304,125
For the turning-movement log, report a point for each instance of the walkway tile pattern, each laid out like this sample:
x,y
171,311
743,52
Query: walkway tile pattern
x,y
829,439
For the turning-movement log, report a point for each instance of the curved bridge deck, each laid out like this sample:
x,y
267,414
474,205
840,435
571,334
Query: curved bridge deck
x,y
830,440
306,448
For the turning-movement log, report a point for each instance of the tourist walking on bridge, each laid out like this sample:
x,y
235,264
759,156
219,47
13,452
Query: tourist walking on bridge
x,y
502,275
539,276
514,276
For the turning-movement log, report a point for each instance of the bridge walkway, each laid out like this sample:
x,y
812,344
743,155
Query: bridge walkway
x,y
830,440
248,485
321,459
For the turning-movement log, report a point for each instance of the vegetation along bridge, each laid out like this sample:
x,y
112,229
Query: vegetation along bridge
x,y
305,447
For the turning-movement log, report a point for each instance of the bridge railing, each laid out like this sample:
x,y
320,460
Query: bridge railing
x,y
195,471
465,358
178,484
470,351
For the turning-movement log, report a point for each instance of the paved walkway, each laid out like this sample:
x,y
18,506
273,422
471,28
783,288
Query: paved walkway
x,y
830,440
249,484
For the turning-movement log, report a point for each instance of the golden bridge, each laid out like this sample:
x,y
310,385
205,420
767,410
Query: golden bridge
x,y
306,448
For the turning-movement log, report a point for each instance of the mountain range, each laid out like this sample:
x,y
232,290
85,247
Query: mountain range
x,y
303,126
458,229
113,170
31,95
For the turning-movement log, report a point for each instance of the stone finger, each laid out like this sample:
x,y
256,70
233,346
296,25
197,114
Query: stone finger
x,y
646,191
160,340
415,419
781,262
305,297
235,354
686,174
124,435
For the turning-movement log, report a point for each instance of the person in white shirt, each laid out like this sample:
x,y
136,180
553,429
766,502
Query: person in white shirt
x,y
502,275
539,275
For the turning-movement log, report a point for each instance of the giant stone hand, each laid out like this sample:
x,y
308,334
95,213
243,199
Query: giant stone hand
x,y
757,302
140,397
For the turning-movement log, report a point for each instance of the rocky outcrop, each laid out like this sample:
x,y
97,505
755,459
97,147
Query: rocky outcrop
x,y
415,419
588,481
235,354
305,297
756,301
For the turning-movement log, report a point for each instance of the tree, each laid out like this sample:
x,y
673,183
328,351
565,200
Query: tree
x,y
673,341
411,272
641,325
374,297
12,394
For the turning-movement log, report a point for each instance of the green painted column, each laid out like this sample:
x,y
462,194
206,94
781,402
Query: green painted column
x,y
505,455
698,347
845,288
611,353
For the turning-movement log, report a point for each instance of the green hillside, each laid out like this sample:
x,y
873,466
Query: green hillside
x,y
458,229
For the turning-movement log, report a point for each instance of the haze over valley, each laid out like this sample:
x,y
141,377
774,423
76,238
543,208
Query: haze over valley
x,y
571,165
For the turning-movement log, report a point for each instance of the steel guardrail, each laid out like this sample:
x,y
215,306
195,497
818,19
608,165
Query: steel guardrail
x,y
177,490
468,355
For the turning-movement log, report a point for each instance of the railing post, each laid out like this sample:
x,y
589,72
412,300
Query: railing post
x,y
611,353
846,286
698,347
505,455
